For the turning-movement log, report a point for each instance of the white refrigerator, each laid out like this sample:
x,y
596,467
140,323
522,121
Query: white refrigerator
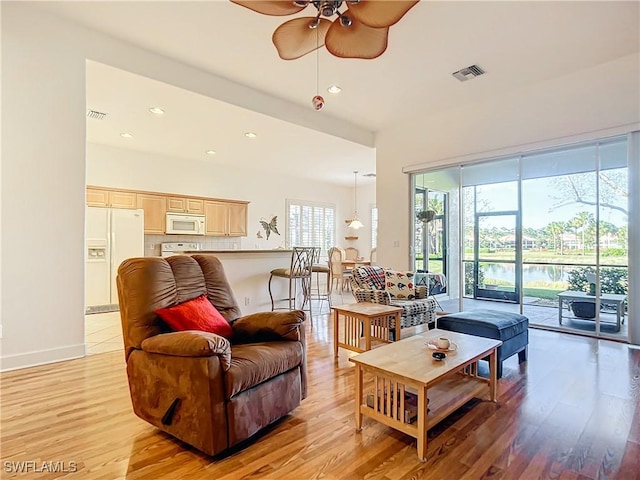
x,y
112,236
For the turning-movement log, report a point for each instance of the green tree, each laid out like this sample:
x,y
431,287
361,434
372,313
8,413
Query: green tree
x,y
581,222
607,229
623,235
555,230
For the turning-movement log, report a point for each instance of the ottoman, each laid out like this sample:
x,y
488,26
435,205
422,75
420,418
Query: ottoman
x,y
511,328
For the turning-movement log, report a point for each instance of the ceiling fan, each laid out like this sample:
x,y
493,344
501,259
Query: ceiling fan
x,y
359,31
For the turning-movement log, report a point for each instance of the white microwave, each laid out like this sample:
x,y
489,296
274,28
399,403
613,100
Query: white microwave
x,y
185,224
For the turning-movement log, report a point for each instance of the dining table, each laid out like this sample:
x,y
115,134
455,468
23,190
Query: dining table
x,y
351,264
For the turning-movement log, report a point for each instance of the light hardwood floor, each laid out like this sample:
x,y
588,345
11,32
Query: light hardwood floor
x,y
571,412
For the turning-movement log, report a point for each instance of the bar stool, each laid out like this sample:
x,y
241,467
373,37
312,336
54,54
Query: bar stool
x,y
302,259
319,295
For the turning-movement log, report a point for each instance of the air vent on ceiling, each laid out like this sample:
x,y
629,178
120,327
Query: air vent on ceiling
x,y
468,73
96,114
369,175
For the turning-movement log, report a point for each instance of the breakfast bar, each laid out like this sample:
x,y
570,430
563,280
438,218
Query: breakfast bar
x,y
247,271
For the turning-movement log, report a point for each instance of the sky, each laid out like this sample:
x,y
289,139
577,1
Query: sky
x,y
539,196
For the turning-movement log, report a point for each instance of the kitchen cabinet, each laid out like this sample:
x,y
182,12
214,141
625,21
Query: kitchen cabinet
x,y
225,219
155,212
185,205
100,197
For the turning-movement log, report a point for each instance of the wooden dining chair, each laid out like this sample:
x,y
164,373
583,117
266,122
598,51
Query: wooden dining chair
x,y
351,253
340,277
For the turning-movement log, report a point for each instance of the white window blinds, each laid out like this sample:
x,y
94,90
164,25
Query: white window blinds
x,y
310,224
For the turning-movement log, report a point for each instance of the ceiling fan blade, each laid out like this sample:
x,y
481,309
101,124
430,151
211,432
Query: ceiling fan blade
x,y
379,14
356,41
294,38
277,8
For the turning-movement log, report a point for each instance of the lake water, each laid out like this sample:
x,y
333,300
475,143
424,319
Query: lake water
x,y
530,273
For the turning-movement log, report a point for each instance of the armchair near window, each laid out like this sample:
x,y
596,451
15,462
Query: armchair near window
x,y
377,285
209,391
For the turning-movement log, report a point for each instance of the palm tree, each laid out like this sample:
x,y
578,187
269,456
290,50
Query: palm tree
x,y
607,230
582,221
556,229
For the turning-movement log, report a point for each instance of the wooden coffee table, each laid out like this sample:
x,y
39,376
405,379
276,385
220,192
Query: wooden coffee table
x,y
368,320
405,375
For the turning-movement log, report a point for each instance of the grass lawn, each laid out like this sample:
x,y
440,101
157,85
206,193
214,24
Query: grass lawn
x,y
541,293
553,257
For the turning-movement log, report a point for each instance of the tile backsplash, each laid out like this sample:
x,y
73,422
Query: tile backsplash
x,y
152,242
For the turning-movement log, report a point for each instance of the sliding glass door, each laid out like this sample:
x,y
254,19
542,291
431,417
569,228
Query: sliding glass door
x,y
544,233
496,257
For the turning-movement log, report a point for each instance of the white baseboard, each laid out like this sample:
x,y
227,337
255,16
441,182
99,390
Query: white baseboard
x,y
41,357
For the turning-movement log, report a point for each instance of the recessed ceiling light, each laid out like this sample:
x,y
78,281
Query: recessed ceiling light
x,y
126,135
157,110
210,152
250,135
334,89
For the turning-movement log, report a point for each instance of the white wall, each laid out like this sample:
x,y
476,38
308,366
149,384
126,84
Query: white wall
x,y
582,104
115,167
43,169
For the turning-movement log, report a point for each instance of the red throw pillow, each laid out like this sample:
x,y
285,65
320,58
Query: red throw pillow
x,y
196,314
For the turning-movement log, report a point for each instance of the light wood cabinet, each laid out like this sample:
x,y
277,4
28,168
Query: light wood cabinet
x,y
122,199
238,219
99,197
185,205
155,212
225,219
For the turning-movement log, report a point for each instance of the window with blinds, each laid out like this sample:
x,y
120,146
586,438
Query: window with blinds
x,y
311,224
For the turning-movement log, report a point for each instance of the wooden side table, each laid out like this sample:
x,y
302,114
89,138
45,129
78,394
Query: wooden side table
x,y
371,320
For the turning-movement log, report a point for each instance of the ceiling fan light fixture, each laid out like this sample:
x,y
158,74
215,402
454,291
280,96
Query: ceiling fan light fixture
x,y
365,36
345,21
328,8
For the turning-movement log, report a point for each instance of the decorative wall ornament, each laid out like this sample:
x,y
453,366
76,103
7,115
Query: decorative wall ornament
x,y
271,226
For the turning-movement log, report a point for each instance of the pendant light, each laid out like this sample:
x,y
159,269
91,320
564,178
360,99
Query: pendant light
x,y
355,221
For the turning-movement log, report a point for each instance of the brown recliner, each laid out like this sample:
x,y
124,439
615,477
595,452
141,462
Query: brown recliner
x,y
200,387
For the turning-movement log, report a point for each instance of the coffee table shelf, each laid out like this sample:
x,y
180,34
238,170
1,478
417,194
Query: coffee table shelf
x,y
444,399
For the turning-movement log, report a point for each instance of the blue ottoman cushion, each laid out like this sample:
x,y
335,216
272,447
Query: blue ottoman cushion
x,y
511,328
487,323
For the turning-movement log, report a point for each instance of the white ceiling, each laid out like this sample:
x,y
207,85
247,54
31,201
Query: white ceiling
x,y
517,43
193,124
